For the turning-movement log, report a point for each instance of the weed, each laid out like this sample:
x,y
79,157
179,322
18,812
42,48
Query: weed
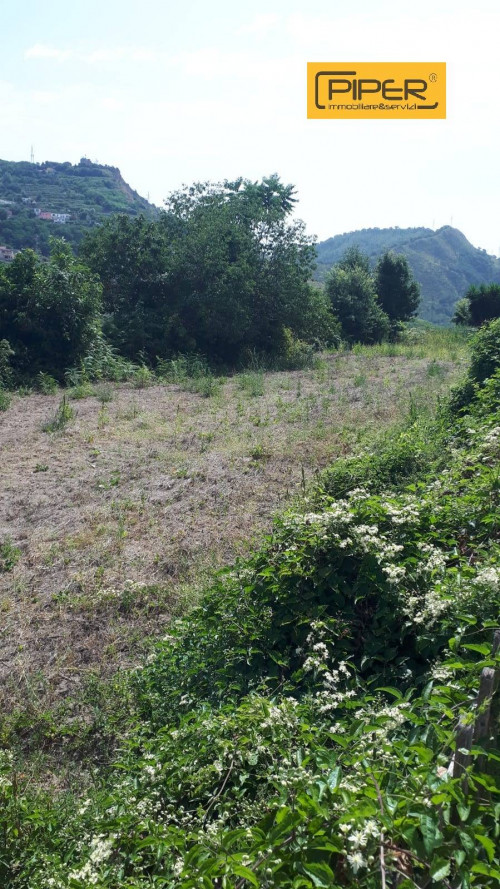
x,y
82,390
9,555
5,399
435,369
63,415
46,384
252,383
206,386
103,392
360,380
143,377
260,452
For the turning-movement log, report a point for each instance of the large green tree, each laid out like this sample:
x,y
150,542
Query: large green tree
x,y
49,311
353,300
223,270
397,291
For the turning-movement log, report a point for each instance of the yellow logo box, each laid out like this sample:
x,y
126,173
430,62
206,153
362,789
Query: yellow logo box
x,y
395,90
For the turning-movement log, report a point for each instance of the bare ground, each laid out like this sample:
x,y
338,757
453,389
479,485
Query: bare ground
x,y
117,516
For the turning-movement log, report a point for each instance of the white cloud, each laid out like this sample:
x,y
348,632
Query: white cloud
x,y
101,55
42,51
260,24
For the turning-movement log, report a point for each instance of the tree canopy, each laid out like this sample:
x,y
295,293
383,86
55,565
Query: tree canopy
x,y
223,270
49,311
397,291
479,305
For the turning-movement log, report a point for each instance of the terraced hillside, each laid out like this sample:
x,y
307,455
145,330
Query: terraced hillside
x,y
86,191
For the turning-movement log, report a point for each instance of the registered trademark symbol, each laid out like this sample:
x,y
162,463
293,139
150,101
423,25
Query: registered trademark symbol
x,y
433,78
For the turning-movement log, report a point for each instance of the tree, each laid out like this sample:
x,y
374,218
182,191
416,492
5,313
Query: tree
x,y
480,304
397,291
49,311
354,257
223,270
353,300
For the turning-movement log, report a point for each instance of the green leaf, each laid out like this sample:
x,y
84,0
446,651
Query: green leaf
x,y
431,834
320,873
333,779
392,691
481,649
487,844
240,871
440,868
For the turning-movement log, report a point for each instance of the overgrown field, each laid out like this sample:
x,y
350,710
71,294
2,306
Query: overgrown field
x,y
114,518
295,727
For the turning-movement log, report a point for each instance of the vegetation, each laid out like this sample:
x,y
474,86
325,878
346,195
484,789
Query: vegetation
x,y
397,291
295,729
88,192
443,262
49,314
480,304
370,307
354,302
294,720
222,272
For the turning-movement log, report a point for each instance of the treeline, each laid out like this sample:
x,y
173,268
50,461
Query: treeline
x,y
223,272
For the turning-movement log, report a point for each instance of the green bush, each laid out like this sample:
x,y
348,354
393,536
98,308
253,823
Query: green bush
x,y
5,399
485,355
485,361
293,353
50,311
6,354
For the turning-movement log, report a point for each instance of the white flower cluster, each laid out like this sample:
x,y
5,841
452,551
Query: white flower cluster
x,y
489,577
406,514
100,851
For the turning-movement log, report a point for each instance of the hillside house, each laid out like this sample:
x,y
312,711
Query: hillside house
x,y
61,217
6,254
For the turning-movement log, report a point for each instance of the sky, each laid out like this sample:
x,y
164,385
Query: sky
x,y
178,92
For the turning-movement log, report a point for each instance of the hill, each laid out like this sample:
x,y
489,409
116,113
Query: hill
x,y
444,262
39,200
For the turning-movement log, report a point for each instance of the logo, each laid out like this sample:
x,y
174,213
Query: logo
x,y
396,90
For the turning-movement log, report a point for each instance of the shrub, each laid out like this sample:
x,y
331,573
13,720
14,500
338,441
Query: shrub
x,y
485,361
6,354
294,354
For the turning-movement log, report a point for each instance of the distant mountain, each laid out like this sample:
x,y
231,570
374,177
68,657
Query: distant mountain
x,y
63,199
444,262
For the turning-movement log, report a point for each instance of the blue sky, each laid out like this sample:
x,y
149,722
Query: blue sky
x,y
179,92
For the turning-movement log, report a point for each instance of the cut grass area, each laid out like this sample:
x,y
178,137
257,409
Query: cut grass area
x,y
144,492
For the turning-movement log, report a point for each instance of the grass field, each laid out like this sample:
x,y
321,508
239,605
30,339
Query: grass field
x,y
109,525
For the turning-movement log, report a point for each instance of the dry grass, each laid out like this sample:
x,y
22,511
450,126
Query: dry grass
x,y
121,514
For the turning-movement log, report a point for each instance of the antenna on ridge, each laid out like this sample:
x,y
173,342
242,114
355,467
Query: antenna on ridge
x,y
32,158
